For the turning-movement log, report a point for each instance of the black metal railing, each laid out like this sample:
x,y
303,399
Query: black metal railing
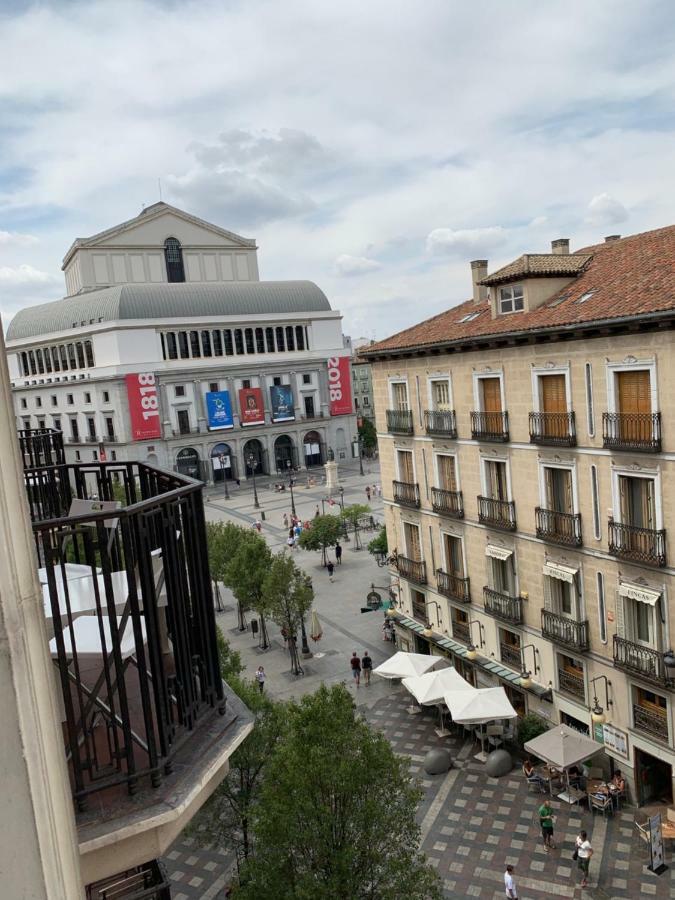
x,y
570,683
497,513
453,586
134,636
419,611
645,545
553,429
441,421
490,426
641,661
412,569
558,527
407,493
510,655
449,503
400,421
562,630
503,606
41,447
632,431
148,881
650,722
461,631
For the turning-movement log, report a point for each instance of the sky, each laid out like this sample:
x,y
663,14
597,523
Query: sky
x,y
372,147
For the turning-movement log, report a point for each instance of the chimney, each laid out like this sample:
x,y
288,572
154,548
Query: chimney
x,y
560,247
479,269
612,237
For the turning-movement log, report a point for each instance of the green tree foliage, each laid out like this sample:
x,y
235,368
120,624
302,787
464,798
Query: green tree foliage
x,y
288,596
222,540
336,813
352,514
379,543
325,532
368,434
246,573
530,727
231,665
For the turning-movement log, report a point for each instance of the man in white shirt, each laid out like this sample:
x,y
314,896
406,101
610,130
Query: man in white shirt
x,y
584,853
510,884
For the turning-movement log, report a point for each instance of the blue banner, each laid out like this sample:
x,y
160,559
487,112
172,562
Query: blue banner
x,y
219,410
282,403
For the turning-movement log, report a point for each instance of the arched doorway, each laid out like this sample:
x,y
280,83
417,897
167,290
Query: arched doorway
x,y
340,443
285,454
152,460
222,462
255,449
187,462
313,447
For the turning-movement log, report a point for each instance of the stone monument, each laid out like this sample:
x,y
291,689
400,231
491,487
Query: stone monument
x,y
332,479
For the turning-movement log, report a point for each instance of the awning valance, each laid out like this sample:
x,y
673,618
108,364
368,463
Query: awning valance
x,y
497,552
641,594
562,573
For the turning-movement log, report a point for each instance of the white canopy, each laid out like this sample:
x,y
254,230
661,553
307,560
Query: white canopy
x,y
403,665
562,747
482,705
432,686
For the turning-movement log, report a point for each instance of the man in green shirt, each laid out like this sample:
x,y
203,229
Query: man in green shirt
x,y
546,822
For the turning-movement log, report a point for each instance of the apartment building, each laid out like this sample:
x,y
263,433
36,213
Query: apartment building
x,y
527,448
362,386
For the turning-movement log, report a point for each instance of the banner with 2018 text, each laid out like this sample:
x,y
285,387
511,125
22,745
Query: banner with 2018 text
x,y
339,386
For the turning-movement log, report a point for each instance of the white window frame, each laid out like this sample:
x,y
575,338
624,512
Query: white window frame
x,y
602,605
477,392
613,369
398,450
437,476
512,299
392,382
484,478
568,467
460,538
538,372
577,614
651,474
430,389
590,398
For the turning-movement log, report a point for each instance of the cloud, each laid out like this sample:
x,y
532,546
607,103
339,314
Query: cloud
x,y
14,239
446,242
288,152
606,210
355,265
13,276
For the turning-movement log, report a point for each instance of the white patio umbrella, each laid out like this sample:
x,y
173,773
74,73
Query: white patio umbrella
x,y
430,689
403,665
484,705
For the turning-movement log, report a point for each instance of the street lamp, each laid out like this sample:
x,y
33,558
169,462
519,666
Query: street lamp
x,y
428,631
359,441
222,469
597,712
525,675
252,463
472,651
290,485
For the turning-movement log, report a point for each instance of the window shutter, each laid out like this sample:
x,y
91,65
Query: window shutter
x,y
620,616
548,599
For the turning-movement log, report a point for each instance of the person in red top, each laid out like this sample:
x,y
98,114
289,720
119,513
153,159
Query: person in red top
x,y
355,663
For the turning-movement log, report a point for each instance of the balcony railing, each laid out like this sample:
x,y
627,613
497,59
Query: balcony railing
x,y
412,569
503,606
453,586
632,431
497,513
510,655
134,635
571,684
558,527
553,429
461,631
650,722
641,661
441,422
490,426
562,630
407,493
448,503
148,881
419,611
645,545
400,421
41,447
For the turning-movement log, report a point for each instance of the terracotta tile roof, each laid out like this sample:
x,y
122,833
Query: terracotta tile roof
x,y
626,278
539,264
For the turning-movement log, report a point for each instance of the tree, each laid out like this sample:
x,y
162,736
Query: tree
x,y
368,435
246,573
336,813
325,532
229,660
353,514
288,595
379,543
222,540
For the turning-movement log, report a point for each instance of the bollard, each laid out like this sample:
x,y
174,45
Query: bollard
x,y
262,515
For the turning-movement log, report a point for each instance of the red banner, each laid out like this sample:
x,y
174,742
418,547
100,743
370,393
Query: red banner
x,y
339,386
143,406
251,406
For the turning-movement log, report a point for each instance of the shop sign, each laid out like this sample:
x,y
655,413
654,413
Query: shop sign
x,y
615,740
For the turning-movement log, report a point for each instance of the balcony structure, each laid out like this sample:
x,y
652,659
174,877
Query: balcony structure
x,y
569,683
639,432
453,586
447,503
553,429
558,527
412,569
503,606
440,422
407,493
641,661
41,447
461,632
497,513
510,655
399,421
564,631
651,723
490,426
643,545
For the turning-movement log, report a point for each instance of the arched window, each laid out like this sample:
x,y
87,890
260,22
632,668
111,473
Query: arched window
x,y
173,255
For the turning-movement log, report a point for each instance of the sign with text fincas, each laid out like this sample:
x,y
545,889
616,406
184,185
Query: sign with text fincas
x,y
339,386
251,407
219,410
281,397
143,406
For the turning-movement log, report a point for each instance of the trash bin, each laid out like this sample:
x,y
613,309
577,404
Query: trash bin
x,y
262,515
254,626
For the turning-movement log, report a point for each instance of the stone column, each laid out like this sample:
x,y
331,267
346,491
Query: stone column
x,y
39,855
200,406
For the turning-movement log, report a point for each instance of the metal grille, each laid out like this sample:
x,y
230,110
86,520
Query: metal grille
x,y
564,631
558,527
441,422
646,545
554,429
449,503
632,431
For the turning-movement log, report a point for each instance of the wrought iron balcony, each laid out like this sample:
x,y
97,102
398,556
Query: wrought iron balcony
x,y
448,503
419,611
503,606
41,447
650,723
558,527
556,429
441,422
400,421
461,631
641,661
148,881
407,493
510,655
632,431
412,569
569,683
645,545
490,426
453,586
497,513
562,630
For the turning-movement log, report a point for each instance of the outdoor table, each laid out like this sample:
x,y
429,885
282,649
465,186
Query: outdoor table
x,y
572,795
72,572
82,596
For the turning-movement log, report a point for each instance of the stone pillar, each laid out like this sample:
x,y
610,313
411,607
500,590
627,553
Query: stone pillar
x,y
39,855
200,406
332,478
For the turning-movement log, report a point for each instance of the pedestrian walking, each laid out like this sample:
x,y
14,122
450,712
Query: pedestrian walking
x,y
316,512
290,540
367,667
355,663
582,854
546,822
285,520
331,569
338,553
260,678
368,493
509,884
258,526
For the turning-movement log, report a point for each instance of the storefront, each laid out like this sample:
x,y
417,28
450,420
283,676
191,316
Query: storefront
x,y
187,462
653,779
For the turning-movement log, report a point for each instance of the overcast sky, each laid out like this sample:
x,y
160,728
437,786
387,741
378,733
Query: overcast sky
x,y
373,147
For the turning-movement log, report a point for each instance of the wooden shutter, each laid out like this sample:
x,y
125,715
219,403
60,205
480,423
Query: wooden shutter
x,y
620,616
548,595
446,473
492,395
553,394
649,508
634,391
405,466
412,540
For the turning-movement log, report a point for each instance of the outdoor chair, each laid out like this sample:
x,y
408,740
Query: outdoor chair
x,y
495,735
604,804
538,785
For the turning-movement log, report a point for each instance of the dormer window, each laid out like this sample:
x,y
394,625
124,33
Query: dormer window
x,y
511,299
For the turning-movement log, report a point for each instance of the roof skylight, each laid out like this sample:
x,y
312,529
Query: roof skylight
x,y
585,297
469,317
